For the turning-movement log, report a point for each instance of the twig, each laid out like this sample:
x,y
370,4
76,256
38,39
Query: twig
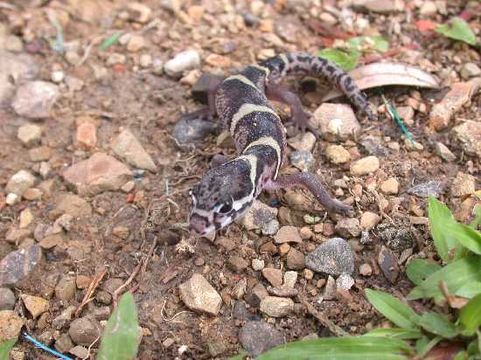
x,y
92,286
333,328
132,276
90,348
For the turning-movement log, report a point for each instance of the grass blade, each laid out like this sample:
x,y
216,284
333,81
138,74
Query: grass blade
x,y
470,315
465,235
438,324
419,269
393,309
395,333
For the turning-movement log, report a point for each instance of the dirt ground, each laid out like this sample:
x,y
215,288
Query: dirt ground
x,y
141,228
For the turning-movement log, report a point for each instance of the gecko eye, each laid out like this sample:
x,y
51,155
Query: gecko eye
x,y
225,207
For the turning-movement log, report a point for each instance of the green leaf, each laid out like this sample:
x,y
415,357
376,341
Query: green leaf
x,y
455,275
469,290
366,43
419,269
345,60
110,41
393,309
439,217
119,340
467,236
438,324
470,315
395,333
457,30
462,355
5,348
343,348
424,345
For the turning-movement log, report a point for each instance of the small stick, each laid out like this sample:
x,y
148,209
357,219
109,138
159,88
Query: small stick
x,y
92,286
125,284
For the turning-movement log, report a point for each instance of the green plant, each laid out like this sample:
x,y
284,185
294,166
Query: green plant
x,y
457,29
5,348
455,318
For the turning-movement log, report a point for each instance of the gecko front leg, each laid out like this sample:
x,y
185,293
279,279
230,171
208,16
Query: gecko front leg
x,y
312,183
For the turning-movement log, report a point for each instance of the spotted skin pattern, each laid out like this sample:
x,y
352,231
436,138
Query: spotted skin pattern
x,y
227,191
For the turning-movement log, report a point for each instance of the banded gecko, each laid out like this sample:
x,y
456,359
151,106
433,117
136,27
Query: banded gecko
x,y
227,191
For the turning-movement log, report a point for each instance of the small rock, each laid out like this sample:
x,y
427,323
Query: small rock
x,y
99,173
197,294
276,306
35,305
218,61
57,76
80,351
115,59
186,60
365,270
381,6
139,12
336,121
295,259
333,257
396,237
26,218
136,43
460,93
82,281
7,299
257,337
129,148
64,222
469,135
73,205
65,316
64,343
287,234
470,70
388,263
258,264
301,159
145,60
35,99
463,185
308,274
65,289
32,194
390,186
202,86
406,113
10,325
284,249
237,263
443,152
216,348
11,199
29,134
122,232
365,166
290,279
344,282
15,235
19,182
86,135
348,227
369,220
128,186
428,8
303,142
274,276
337,154
19,67
84,331
40,153
256,295
412,145
427,189
18,264
329,292
192,131
259,216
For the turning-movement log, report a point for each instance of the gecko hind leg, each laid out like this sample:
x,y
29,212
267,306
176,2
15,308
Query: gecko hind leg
x,y
312,183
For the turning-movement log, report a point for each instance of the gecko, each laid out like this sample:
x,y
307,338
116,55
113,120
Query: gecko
x,y
241,101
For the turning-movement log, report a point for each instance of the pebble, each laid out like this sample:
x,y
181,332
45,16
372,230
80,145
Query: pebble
x,y
11,199
329,292
303,142
139,12
365,269
308,274
259,216
10,325
25,218
80,351
218,61
19,182
65,316
290,279
256,337
344,282
365,166
183,61
470,70
18,264
35,99
71,204
129,148
84,331
15,236
274,276
136,43
29,134
284,249
287,234
337,154
197,294
41,153
7,299
32,194
276,306
388,263
428,8
256,295
122,232
336,121
469,135
35,305
64,343
382,6
395,237
258,264
463,185
443,152
115,59
145,60
427,189
57,76
369,220
390,186
97,174
295,259
65,289
86,135
333,257
301,159
188,132
348,227
14,66
237,263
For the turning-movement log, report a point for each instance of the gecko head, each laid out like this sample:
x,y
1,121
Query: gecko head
x,y
222,196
